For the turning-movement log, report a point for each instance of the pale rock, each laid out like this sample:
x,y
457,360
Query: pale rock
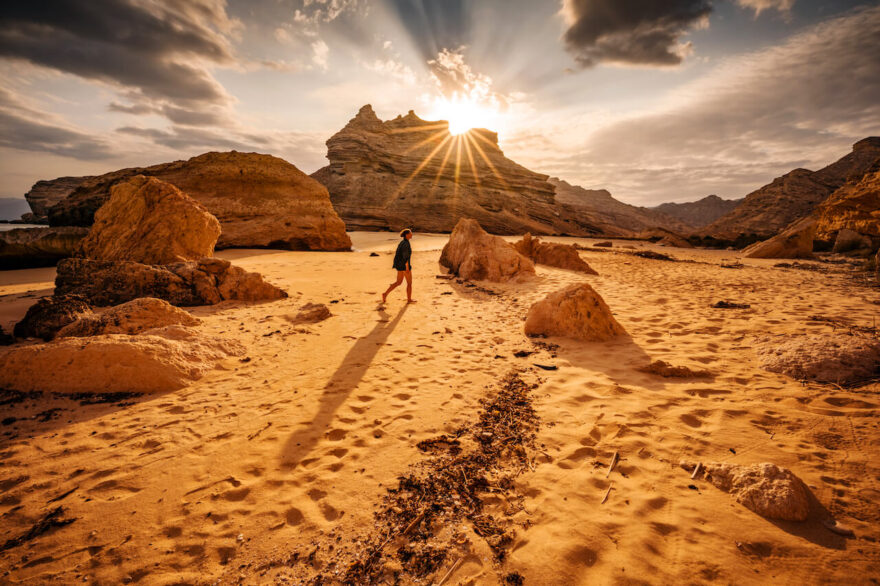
x,y
563,256
839,358
796,241
769,490
574,312
130,318
473,254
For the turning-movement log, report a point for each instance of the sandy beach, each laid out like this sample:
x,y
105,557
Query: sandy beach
x,y
256,472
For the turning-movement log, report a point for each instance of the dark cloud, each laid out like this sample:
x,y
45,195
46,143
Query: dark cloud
x,y
155,48
434,25
24,128
189,138
639,32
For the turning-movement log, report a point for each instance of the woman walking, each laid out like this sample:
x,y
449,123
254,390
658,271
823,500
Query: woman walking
x,y
402,264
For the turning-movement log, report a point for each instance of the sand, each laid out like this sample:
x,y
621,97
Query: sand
x,y
292,448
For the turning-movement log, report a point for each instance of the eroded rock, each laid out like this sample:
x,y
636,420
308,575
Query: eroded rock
x,y
796,241
151,222
563,256
48,315
838,358
23,248
133,317
574,312
853,213
472,253
311,313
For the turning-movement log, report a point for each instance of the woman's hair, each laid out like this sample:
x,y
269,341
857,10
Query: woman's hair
x,y
404,232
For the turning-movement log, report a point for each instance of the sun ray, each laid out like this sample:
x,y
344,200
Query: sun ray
x,y
437,126
485,158
470,156
429,139
457,165
418,169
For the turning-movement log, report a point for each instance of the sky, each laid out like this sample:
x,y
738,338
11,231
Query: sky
x,y
654,101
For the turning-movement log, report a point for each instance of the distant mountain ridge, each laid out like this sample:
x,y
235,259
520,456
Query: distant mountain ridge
x,y
701,212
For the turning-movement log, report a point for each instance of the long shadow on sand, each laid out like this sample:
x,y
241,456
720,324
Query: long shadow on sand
x,y
339,387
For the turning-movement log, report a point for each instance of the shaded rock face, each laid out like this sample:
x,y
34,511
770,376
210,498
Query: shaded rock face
x,y
23,248
769,490
261,201
156,361
204,282
151,222
793,196
44,194
701,212
471,253
411,173
48,315
837,358
854,207
5,339
563,256
613,217
794,242
847,240
130,318
574,312
665,237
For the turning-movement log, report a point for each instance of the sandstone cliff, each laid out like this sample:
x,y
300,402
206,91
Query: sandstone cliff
x,y
408,172
44,194
261,201
795,195
24,248
701,212
854,207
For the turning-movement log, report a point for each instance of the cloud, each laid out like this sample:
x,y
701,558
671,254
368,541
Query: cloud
x,y
638,32
28,129
801,103
782,6
455,78
433,25
314,12
320,52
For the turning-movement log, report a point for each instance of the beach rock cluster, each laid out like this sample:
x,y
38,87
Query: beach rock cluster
x,y
839,358
769,490
130,318
48,315
22,248
471,253
563,256
261,201
44,194
577,311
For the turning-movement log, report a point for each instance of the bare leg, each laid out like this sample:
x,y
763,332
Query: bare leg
x,y
393,286
409,298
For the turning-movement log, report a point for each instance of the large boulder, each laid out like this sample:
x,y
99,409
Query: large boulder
x,y
23,248
574,312
204,282
853,213
796,241
472,253
261,201
48,315
159,360
838,358
847,240
130,318
151,222
665,237
769,490
563,256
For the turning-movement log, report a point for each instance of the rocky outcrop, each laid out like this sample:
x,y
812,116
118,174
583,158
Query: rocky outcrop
x,y
574,312
473,254
847,240
412,173
5,339
563,256
23,248
48,315
769,490
156,361
44,194
855,207
838,358
151,222
130,318
261,201
204,282
793,196
796,241
665,237
613,217
701,212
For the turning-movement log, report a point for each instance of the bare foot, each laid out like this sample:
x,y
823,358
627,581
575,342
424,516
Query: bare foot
x,y
384,297
410,300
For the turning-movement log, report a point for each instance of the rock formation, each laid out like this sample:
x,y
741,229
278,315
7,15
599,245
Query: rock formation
x,y
563,256
261,201
796,241
156,361
204,282
48,315
665,237
769,490
613,217
701,212
471,253
838,358
411,173
793,196
310,313
44,194
5,339
574,312
23,248
847,240
151,222
130,318
854,207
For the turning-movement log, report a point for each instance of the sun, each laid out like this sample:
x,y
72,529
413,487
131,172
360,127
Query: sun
x,y
463,113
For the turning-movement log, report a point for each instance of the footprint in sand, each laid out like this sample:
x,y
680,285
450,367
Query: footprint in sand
x,y
294,517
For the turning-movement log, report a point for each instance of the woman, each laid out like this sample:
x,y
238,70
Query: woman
x,y
402,264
